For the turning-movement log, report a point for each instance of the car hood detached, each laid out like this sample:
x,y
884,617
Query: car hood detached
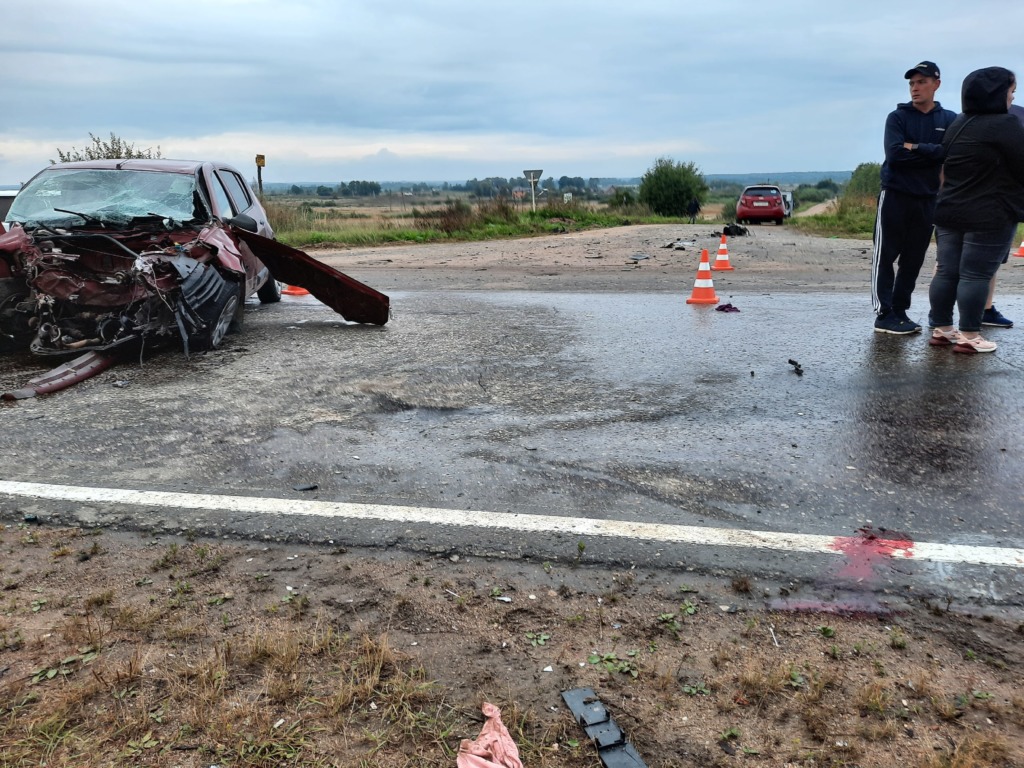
x,y
351,299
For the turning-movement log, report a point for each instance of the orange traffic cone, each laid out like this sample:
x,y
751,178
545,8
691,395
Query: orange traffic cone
x,y
722,260
703,287
1020,251
294,290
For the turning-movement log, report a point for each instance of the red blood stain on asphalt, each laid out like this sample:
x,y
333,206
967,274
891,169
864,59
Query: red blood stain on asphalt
x,y
870,549
863,556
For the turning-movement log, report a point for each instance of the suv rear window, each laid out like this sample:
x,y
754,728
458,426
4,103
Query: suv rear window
x,y
763,191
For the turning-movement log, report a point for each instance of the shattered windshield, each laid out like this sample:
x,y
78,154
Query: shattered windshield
x,y
71,197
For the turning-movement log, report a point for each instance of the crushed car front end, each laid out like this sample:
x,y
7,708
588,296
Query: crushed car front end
x,y
115,254
103,258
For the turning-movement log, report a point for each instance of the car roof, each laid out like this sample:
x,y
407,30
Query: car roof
x,y
761,186
166,166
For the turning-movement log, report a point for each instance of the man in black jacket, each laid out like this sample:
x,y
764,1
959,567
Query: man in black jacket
x,y
906,205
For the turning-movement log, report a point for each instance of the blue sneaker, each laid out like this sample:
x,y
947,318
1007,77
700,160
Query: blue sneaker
x,y
891,323
994,318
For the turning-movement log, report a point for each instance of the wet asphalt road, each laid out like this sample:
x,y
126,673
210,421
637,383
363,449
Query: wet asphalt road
x,y
621,406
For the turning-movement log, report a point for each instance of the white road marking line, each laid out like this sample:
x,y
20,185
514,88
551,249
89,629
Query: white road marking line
x,y
577,526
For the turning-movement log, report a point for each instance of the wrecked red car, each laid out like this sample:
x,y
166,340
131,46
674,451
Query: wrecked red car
x,y
113,254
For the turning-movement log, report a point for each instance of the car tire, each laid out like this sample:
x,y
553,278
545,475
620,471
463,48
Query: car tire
x,y
779,222
222,318
269,292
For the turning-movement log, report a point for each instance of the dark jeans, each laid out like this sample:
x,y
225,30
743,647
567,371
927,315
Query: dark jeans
x,y
903,230
966,263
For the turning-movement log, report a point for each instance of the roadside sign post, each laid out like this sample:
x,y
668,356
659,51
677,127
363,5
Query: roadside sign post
x,y
533,177
261,161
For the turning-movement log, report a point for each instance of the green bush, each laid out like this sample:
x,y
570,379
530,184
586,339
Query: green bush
x,y
668,186
866,181
115,149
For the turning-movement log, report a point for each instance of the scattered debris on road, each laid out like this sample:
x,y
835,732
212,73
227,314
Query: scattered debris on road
x,y
63,376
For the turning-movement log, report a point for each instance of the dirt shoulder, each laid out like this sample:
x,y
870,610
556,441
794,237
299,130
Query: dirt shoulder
x,y
119,648
768,259
667,256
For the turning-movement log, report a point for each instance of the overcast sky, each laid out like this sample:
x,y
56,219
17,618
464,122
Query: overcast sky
x,y
336,90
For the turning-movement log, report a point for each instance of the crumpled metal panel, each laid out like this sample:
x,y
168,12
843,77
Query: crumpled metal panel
x,y
353,300
63,376
12,244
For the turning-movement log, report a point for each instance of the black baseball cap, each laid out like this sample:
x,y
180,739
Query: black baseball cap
x,y
926,68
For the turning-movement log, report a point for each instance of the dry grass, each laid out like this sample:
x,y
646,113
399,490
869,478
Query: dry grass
x,y
170,657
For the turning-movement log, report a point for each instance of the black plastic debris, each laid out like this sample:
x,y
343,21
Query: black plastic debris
x,y
590,713
726,308
305,487
796,368
735,230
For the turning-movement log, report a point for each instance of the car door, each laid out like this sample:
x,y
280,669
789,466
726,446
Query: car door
x,y
227,182
243,200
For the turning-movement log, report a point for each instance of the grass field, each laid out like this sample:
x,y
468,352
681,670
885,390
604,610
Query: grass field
x,y
303,222
376,221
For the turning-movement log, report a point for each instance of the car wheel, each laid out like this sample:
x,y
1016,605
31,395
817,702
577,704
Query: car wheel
x,y
222,318
778,222
269,292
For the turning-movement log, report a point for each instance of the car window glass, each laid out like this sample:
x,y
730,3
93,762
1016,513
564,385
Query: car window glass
x,y
223,201
106,195
236,188
771,191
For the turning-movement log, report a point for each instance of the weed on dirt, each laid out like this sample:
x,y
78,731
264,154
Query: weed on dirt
x,y
117,649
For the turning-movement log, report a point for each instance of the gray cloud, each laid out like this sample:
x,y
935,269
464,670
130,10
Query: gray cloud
x,y
457,87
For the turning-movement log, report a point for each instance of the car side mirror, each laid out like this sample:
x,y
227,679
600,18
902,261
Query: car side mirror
x,y
244,221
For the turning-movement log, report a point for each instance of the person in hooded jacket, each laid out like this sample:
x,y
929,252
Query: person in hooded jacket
x,y
992,316
978,207
906,205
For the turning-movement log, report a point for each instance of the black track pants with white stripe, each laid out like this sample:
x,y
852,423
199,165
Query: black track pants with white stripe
x,y
903,230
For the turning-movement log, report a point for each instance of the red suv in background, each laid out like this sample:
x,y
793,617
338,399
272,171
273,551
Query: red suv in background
x,y
762,202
